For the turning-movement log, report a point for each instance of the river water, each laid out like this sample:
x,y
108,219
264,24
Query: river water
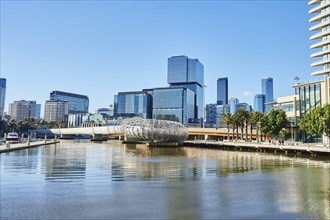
x,y
109,180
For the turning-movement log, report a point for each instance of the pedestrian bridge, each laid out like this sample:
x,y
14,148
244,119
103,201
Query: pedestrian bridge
x,y
133,129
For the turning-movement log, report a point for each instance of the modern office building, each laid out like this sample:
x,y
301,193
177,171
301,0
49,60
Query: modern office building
x,y
75,120
133,104
244,106
20,110
2,95
267,90
221,110
56,110
173,103
77,103
211,115
106,112
259,102
222,91
233,103
189,73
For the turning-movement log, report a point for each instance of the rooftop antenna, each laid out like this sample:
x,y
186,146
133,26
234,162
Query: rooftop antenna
x,y
296,79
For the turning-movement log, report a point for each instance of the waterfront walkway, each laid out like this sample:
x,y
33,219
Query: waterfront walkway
x,y
295,147
20,146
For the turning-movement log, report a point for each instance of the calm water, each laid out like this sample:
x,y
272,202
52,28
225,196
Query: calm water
x,y
83,180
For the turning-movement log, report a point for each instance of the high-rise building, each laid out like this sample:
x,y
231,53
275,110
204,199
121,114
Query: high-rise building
x,y
259,103
77,103
267,90
56,110
189,73
211,115
233,103
244,106
221,110
222,91
132,104
173,103
321,35
2,95
321,42
20,110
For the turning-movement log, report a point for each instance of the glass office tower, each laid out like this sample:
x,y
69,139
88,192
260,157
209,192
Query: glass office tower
x,y
267,90
233,103
2,95
173,103
77,103
189,73
132,104
222,91
259,103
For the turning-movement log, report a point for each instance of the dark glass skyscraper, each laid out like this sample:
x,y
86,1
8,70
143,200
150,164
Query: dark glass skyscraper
x,y
267,90
77,103
188,73
222,91
2,95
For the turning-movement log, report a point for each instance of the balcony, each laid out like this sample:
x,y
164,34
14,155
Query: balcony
x,y
319,26
320,44
320,53
319,8
319,16
321,63
320,35
321,72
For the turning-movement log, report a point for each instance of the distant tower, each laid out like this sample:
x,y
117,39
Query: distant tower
x,y
233,103
2,95
267,90
222,91
259,103
188,73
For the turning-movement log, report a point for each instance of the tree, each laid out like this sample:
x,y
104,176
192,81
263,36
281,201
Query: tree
x,y
316,121
254,120
284,134
241,116
226,120
277,120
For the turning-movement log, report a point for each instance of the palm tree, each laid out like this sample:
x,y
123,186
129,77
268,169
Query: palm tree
x,y
254,121
226,120
241,116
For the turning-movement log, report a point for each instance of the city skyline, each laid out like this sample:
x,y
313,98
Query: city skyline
x,y
103,53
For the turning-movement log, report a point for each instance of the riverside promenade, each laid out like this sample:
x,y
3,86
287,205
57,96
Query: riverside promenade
x,y
20,146
312,149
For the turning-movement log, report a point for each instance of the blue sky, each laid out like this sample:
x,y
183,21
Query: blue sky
x,y
100,48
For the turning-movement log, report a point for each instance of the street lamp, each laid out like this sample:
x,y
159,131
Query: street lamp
x,y
204,106
292,123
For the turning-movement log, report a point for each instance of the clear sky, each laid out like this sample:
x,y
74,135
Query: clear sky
x,y
100,48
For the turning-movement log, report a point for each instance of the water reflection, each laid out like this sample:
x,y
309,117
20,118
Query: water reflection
x,y
111,180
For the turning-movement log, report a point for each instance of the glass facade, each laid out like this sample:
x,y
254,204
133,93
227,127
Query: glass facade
x,y
188,73
233,103
173,103
259,103
2,95
222,91
77,103
267,90
132,104
309,96
211,114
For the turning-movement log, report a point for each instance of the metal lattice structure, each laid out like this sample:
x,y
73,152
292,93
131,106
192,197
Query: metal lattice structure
x,y
154,130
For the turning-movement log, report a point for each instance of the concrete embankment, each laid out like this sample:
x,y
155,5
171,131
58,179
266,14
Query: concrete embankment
x,y
292,148
20,146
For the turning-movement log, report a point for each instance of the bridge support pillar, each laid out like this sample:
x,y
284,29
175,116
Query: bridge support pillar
x,y
97,137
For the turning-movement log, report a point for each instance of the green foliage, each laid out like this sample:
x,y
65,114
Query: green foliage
x,y
316,121
284,134
276,121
